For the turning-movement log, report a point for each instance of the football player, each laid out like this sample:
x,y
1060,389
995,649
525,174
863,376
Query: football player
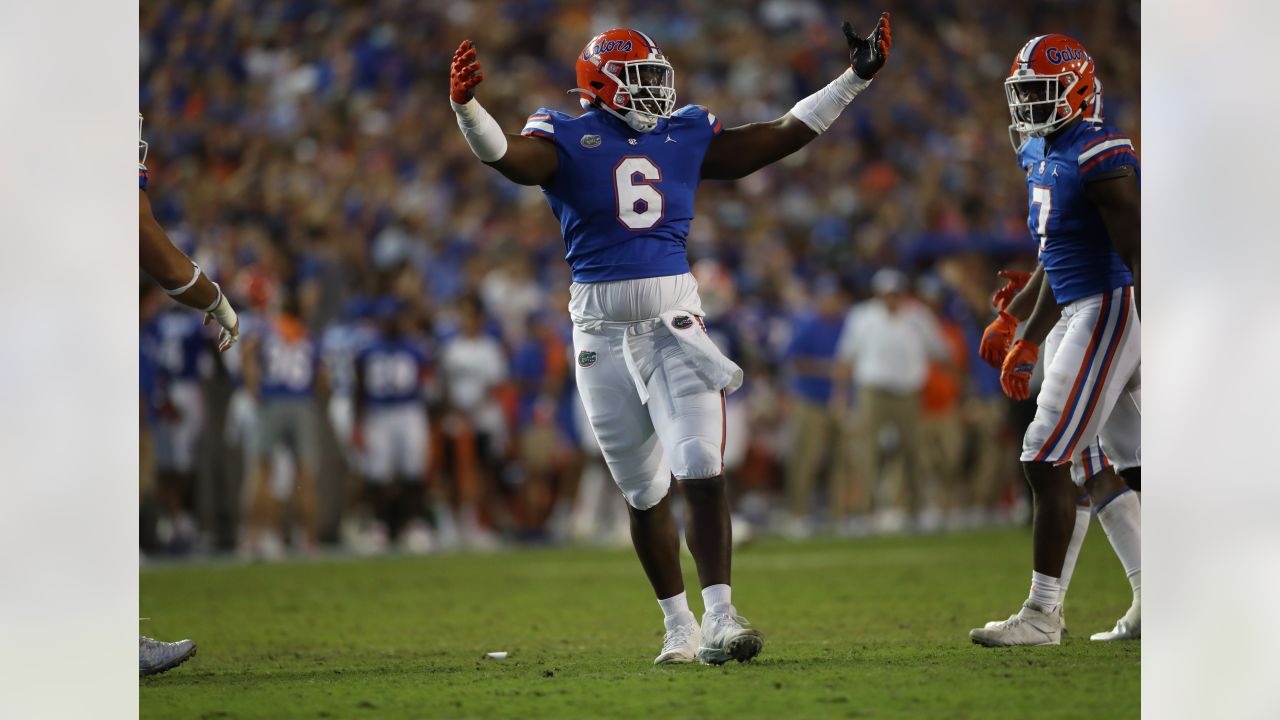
x,y
1084,199
391,417
621,178
184,282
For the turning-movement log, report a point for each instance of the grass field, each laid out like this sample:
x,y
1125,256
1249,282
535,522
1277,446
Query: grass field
x,y
854,629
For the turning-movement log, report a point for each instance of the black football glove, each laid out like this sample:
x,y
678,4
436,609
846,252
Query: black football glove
x,y
867,55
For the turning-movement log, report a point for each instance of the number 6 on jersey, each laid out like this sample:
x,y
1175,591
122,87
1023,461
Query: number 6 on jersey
x,y
639,202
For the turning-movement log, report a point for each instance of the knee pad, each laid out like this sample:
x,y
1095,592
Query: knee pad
x,y
644,491
695,458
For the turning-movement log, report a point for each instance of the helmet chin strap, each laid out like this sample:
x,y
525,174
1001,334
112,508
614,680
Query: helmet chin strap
x,y
640,122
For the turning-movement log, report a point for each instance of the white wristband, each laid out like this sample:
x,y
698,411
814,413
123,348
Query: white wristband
x,y
822,108
484,136
223,312
178,291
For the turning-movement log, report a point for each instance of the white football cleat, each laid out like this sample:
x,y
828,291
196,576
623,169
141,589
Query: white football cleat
x,y
155,657
1128,627
1031,626
993,623
725,638
680,644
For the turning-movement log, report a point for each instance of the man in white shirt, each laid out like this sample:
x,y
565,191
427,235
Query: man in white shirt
x,y
885,348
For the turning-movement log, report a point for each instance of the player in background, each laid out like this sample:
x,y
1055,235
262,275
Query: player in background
x,y
1084,202
621,179
391,423
282,371
183,281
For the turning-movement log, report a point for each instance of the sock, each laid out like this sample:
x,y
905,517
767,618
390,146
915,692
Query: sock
x,y
1121,518
675,611
1073,550
716,598
1044,590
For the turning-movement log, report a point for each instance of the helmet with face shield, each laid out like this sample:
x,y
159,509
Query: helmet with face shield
x,y
624,73
1051,83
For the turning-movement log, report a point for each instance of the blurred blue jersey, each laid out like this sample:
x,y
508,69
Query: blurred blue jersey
x,y
175,339
1074,245
624,199
393,371
288,367
143,175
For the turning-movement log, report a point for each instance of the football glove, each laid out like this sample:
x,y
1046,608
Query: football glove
x,y
464,73
1015,374
867,55
997,338
1016,281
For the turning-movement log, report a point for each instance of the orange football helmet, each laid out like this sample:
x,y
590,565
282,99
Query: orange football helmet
x,y
1051,83
624,73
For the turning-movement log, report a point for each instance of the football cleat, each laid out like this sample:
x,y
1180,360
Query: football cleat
x,y
155,657
680,644
1032,625
725,638
1128,627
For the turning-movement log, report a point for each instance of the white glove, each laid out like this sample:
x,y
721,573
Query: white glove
x,y
225,316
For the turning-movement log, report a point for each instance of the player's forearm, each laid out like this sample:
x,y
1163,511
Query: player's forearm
x,y
1025,301
171,268
1043,317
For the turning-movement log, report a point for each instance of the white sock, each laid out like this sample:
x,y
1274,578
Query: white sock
x,y
1083,514
1121,519
716,598
675,611
1044,590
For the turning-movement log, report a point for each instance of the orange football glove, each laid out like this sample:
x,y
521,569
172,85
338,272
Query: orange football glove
x,y
1015,374
997,338
464,73
1017,280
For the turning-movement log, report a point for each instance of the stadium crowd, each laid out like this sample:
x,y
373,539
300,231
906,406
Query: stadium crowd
x,y
303,152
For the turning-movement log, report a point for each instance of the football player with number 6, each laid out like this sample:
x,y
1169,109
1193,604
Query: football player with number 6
x,y
621,179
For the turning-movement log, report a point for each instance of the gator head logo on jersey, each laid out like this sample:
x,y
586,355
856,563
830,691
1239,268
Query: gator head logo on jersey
x,y
682,322
590,141
586,359
624,73
1051,83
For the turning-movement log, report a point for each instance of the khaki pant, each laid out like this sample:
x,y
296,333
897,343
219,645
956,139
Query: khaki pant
x,y
994,455
815,438
882,410
942,441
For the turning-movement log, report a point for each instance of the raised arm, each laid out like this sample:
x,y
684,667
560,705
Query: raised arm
x,y
740,151
1119,202
524,160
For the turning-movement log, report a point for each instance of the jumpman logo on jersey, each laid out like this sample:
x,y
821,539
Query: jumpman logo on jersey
x,y
670,139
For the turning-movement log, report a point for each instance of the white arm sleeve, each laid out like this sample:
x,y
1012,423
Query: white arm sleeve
x,y
822,108
484,136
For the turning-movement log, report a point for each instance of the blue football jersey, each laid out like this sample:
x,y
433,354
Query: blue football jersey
x,y
1075,248
175,340
288,367
393,371
624,199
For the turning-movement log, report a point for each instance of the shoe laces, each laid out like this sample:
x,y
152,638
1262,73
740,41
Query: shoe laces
x,y
678,636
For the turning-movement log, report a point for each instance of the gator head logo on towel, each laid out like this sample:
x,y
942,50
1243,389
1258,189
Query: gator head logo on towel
x,y
586,359
682,322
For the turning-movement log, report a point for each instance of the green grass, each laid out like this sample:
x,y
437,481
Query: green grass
x,y
854,629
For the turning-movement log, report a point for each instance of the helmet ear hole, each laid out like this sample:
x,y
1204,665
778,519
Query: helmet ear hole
x,y
597,84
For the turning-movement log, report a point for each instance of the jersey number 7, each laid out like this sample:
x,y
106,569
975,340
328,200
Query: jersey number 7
x,y
639,202
1042,195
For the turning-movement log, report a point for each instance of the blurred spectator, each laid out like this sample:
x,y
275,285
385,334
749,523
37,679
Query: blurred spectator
x,y
474,365
816,433
885,347
942,440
